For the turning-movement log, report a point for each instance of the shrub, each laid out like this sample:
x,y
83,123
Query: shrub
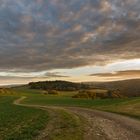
x,y
94,94
45,92
81,95
53,92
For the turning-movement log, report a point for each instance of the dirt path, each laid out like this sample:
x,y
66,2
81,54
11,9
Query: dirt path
x,y
98,125
108,126
62,124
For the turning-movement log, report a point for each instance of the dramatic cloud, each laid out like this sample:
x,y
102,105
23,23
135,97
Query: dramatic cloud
x,y
118,75
39,38
21,78
31,75
39,35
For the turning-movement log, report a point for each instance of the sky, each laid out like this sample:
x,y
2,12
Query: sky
x,y
75,40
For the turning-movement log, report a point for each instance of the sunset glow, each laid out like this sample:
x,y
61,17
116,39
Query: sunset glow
x,y
76,40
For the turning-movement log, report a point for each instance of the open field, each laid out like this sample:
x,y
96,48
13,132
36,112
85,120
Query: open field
x,y
61,117
19,122
26,122
125,106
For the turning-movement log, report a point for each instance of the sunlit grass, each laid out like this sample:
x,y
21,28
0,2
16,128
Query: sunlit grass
x,y
125,106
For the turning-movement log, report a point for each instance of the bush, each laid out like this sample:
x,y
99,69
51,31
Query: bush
x,y
45,92
6,91
53,92
81,95
98,94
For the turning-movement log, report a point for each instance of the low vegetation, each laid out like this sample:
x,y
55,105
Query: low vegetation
x,y
129,107
26,123
18,123
51,92
66,126
98,94
6,91
125,106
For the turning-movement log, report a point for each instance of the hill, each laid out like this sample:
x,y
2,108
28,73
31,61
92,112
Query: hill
x,y
82,90
58,85
127,88
130,88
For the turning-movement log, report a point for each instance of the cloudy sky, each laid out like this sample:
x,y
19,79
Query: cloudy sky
x,y
76,40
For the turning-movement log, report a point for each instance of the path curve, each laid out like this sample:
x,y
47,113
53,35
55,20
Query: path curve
x,y
99,125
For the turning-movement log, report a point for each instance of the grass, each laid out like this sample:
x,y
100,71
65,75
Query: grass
x,y
111,105
66,126
129,107
23,123
125,106
20,123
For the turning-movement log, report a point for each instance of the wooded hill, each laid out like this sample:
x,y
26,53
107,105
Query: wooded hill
x,y
58,85
126,88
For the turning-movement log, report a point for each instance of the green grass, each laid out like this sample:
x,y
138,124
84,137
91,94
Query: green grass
x,y
125,106
64,98
68,101
66,126
20,123
24,123
129,107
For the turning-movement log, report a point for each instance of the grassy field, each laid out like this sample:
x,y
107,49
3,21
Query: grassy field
x,y
24,123
129,107
19,122
66,126
125,106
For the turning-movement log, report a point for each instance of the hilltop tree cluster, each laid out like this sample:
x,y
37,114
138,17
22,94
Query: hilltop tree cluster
x,y
58,85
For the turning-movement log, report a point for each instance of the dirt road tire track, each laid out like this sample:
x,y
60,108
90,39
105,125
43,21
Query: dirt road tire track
x,y
108,126
100,125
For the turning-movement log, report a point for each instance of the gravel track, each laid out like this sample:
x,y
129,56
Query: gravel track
x,y
98,125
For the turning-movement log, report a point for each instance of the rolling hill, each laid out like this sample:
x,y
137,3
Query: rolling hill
x,y
130,88
58,85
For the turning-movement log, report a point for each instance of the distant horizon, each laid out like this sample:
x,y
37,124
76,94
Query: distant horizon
x,y
20,84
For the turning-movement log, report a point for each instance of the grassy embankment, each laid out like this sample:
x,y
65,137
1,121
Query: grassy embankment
x,y
126,106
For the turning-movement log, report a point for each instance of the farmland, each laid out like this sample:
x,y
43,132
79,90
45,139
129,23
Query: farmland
x,y
49,116
26,123
19,122
125,106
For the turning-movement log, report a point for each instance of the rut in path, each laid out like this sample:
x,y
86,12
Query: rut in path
x,y
100,125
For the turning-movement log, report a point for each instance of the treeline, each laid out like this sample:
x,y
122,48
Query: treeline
x,y
93,94
58,85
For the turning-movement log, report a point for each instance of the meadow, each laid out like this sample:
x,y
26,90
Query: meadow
x,y
26,123
125,106
18,122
